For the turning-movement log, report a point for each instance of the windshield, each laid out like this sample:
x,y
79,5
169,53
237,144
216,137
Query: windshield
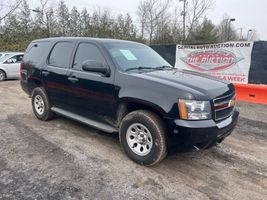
x,y
5,56
135,56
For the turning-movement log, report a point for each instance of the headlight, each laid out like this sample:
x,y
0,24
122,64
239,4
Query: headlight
x,y
194,110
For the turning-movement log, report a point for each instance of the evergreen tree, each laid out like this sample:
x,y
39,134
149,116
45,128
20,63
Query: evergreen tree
x,y
157,25
24,17
75,24
63,19
128,30
85,23
205,33
105,24
119,27
51,22
95,21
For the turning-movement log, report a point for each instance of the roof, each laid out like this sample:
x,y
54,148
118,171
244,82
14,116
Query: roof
x,y
11,52
101,40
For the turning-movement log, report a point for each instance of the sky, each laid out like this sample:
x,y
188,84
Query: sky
x,y
249,14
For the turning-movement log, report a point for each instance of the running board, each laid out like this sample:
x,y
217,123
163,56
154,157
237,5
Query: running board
x,y
98,125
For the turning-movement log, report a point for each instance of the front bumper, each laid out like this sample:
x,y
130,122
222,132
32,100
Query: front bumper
x,y
189,135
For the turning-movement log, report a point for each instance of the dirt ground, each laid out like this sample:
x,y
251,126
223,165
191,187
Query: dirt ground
x,y
62,159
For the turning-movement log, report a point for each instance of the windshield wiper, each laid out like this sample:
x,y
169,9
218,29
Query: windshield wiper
x,y
139,68
164,67
154,68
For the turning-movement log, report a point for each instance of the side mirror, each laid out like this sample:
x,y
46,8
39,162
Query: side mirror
x,y
95,66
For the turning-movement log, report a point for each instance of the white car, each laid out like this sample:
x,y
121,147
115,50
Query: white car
x,y
10,65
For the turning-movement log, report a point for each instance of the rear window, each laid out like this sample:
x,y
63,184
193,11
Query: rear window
x,y
36,51
60,55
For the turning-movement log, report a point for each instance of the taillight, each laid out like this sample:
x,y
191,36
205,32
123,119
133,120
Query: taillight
x,y
20,71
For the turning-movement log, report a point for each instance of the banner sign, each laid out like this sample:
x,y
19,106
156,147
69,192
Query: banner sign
x,y
227,61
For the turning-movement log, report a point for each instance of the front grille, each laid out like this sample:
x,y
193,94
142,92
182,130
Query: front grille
x,y
224,106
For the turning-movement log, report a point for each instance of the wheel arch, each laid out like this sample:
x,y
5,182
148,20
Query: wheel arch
x,y
33,83
127,105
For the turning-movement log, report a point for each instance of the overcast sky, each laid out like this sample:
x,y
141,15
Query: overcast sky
x,y
249,14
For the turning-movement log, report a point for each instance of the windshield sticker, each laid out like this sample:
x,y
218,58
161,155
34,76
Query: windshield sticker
x,y
128,54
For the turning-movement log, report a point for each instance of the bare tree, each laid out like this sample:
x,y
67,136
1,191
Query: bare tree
x,y
226,32
195,11
222,29
252,35
142,14
7,8
44,17
152,15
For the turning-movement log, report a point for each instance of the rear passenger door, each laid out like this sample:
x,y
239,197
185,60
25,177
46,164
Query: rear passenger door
x,y
55,73
92,93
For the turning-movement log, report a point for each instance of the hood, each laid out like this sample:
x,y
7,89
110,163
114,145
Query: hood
x,y
201,86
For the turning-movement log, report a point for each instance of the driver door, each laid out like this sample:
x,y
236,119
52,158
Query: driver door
x,y
92,93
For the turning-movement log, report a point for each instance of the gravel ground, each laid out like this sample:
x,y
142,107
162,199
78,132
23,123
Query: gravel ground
x,y
62,159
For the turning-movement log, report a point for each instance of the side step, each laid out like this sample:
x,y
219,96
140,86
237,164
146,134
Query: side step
x,y
98,125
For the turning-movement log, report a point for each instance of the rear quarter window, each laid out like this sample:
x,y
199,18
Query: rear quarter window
x,y
36,51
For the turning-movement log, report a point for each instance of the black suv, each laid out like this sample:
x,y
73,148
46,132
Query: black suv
x,y
126,87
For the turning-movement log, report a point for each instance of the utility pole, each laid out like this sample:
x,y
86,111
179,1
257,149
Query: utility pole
x,y
229,29
249,31
241,34
183,14
224,31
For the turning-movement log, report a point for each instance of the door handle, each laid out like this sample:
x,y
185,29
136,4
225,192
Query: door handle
x,y
73,79
45,73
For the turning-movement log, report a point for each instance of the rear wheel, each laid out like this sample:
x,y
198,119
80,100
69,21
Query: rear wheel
x,y
2,75
41,105
142,136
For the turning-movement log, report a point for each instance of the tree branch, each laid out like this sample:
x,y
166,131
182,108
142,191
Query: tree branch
x,y
12,9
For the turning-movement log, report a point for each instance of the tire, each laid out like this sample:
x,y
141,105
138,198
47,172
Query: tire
x,y
143,137
2,75
41,105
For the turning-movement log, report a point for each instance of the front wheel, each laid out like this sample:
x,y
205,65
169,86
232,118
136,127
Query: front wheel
x,y
2,75
143,137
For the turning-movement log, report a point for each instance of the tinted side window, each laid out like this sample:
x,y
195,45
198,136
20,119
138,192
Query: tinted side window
x,y
35,52
87,51
61,54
